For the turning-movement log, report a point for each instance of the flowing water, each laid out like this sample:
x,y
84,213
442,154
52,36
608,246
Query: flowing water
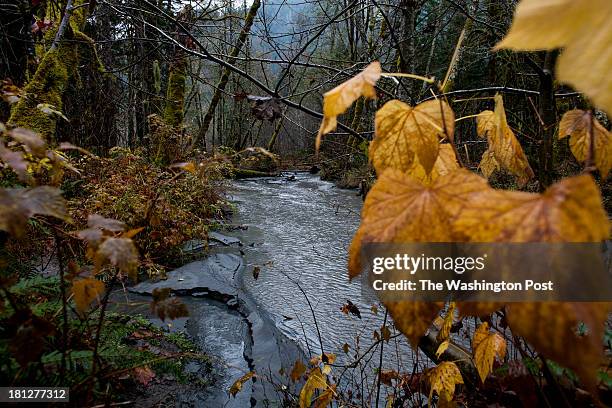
x,y
298,231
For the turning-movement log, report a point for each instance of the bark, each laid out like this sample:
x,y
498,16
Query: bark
x,y
548,116
248,22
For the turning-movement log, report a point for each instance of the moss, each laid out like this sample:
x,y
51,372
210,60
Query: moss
x,y
57,70
47,86
175,93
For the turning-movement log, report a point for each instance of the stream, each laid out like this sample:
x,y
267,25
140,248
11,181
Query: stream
x,y
295,230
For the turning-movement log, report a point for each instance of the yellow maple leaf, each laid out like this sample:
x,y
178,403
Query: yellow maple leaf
x,y
582,28
339,99
442,380
404,133
485,347
86,291
400,208
504,149
582,127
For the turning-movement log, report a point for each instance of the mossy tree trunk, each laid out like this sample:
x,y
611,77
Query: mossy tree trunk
x,y
57,68
174,112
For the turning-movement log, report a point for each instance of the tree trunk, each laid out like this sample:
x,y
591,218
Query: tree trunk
x,y
248,22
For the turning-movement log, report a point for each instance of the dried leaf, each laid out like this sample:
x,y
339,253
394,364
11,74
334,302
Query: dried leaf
x,y
237,385
187,166
488,164
400,208
298,370
325,399
404,133
315,381
485,347
447,323
568,211
582,29
109,224
31,141
28,340
15,161
86,291
339,99
551,328
581,126
119,252
442,348
143,375
443,379
506,149
413,318
19,204
387,375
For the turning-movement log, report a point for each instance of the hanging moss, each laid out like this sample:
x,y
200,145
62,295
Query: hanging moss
x,y
175,93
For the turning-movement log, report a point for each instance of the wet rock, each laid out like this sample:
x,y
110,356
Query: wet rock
x,y
223,239
214,275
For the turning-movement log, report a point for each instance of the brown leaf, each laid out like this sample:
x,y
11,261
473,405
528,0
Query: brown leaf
x,y
387,375
404,133
119,252
298,370
31,141
187,166
15,161
19,204
447,323
413,318
109,224
581,126
143,375
86,291
339,99
28,340
325,399
237,385
568,211
506,149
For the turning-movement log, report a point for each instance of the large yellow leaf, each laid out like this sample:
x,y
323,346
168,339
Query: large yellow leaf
x,y
583,28
339,99
86,291
403,131
568,211
400,208
485,346
413,318
581,126
445,163
504,149
443,379
551,328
